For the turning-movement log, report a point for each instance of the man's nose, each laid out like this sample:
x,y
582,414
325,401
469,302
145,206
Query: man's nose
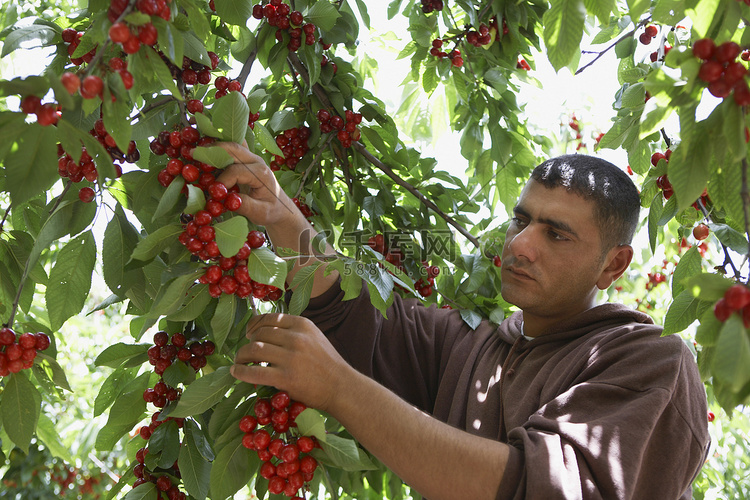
x,y
525,244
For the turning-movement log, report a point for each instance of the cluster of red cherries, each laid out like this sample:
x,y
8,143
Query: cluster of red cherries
x,y
735,300
293,145
395,257
287,464
662,182
346,128
166,351
721,70
19,352
454,55
151,7
431,5
163,482
654,279
46,114
280,15
481,36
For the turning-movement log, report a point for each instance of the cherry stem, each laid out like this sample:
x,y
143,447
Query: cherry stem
x,y
59,198
312,165
624,37
151,106
745,196
100,52
321,94
5,217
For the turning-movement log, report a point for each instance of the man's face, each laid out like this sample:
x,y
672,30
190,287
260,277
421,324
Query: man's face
x,y
552,257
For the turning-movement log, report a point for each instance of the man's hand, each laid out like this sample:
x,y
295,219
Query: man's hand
x,y
263,201
300,359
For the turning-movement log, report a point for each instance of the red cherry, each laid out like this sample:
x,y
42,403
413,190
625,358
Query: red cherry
x,y
737,297
248,423
7,336
700,232
71,82
233,202
710,71
256,239
651,31
218,191
704,48
46,114
119,32
656,157
722,311
132,45
147,34
497,261
194,106
727,52
86,194
42,341
91,86
711,416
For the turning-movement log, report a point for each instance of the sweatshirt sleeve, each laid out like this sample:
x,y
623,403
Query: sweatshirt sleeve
x,y
403,351
612,432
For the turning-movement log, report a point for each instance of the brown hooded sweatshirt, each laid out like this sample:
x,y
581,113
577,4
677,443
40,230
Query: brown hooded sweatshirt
x,y
602,406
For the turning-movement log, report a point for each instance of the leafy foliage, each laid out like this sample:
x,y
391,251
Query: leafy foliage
x,y
353,183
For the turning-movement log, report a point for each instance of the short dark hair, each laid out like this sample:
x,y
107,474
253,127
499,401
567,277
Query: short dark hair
x,y
614,194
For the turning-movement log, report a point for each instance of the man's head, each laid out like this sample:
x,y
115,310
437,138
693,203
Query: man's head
x,y
614,194
569,238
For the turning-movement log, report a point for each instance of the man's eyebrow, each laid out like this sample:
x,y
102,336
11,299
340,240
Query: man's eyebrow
x,y
557,224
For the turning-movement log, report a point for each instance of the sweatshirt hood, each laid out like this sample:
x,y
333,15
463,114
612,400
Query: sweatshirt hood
x,y
601,316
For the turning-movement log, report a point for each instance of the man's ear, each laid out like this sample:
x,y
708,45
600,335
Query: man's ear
x,y
615,264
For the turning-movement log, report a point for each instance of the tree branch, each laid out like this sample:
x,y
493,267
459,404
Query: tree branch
x,y
745,197
312,165
321,94
247,67
5,217
401,182
621,39
152,106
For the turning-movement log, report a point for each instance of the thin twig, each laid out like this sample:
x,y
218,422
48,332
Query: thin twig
x,y
59,198
401,182
666,138
5,217
321,94
312,165
622,38
152,106
745,197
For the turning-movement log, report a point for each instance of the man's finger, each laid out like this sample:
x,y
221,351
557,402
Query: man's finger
x,y
278,320
259,351
255,374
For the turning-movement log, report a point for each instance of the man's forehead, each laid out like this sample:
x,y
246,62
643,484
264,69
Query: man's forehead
x,y
549,200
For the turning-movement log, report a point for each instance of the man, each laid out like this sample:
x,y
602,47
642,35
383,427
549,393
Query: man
x,y
565,399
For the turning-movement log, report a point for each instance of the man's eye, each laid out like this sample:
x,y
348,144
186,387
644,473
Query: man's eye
x,y
557,236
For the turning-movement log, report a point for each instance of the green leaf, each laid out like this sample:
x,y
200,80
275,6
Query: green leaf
x,y
196,200
233,468
230,117
563,30
31,164
688,266
206,127
70,279
234,11
231,235
178,373
264,137
731,362
323,15
120,239
117,354
681,314
170,40
266,267
216,156
689,171
471,318
145,491
153,244
166,438
45,431
194,469
311,423
301,285
204,393
156,66
16,38
223,319
169,199
112,388
196,302
171,296
345,454
708,286
128,409
53,370
730,237
20,408
195,50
